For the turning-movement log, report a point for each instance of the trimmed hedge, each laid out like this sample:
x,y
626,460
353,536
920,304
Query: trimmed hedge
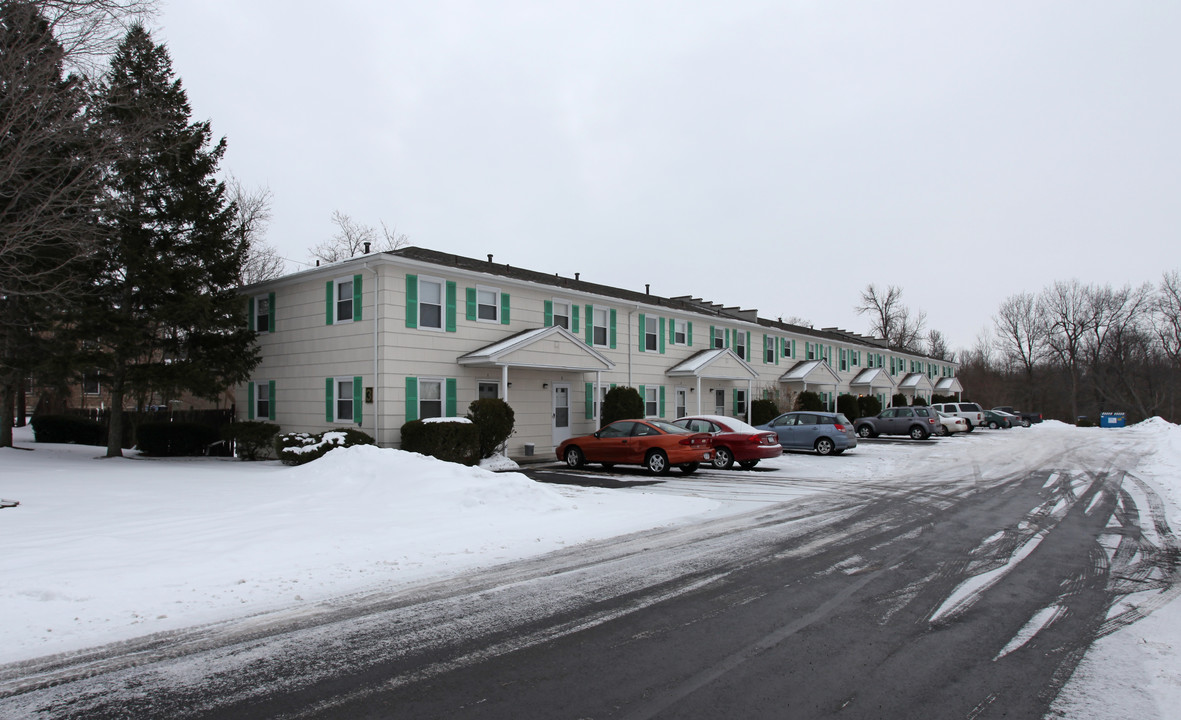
x,y
867,406
457,442
252,438
899,400
621,403
68,429
809,402
763,412
175,439
494,420
300,448
847,405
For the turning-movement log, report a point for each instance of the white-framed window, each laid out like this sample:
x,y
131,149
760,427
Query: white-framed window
x,y
262,312
430,398
651,402
740,403
430,303
487,303
681,401
844,359
343,300
740,344
680,333
599,331
811,350
719,338
651,334
786,347
487,390
769,348
855,358
562,313
344,399
262,399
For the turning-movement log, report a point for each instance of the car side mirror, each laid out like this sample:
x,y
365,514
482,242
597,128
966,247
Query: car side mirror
x,y
596,434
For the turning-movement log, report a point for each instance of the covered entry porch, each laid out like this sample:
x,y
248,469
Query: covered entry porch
x,y
725,370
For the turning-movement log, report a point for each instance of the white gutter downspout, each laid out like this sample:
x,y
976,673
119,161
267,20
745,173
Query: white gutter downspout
x,y
376,365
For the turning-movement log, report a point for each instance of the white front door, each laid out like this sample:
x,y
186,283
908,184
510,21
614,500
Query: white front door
x,y
561,408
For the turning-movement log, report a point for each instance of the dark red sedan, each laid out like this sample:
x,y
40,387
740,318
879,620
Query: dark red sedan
x,y
734,440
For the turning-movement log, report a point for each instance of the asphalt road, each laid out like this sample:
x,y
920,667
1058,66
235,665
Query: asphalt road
x,y
950,596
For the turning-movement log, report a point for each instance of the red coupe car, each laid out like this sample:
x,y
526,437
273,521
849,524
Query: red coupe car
x,y
655,444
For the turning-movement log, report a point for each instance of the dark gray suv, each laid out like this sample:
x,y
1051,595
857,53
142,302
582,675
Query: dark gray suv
x,y
918,422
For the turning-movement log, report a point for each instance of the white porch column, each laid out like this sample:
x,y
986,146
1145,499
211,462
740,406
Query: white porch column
x,y
750,397
698,394
595,401
504,381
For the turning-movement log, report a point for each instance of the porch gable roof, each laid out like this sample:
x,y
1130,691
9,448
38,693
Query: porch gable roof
x,y
550,348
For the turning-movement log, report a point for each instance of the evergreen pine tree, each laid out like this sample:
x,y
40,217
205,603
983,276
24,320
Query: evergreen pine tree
x,y
164,316
49,186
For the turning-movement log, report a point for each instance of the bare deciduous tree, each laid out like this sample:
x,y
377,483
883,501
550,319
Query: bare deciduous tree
x,y
891,320
351,238
1067,312
1021,333
1167,316
937,346
252,215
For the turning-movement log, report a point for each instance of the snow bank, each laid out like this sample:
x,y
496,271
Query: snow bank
x,y
107,549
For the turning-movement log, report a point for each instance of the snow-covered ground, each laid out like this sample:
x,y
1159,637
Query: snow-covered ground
x,y
101,550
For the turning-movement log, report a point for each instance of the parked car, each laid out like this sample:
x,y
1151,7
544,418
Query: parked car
x,y
826,433
952,424
969,411
997,419
655,444
734,440
918,422
1026,418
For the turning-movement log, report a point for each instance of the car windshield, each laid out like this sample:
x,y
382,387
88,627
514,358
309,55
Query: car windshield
x,y
668,427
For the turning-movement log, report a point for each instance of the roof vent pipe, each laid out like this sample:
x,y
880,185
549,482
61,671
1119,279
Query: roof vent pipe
x,y
576,275
646,289
366,248
489,257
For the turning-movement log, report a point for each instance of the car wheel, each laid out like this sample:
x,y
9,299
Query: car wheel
x,y
1025,422
825,446
865,431
994,425
688,468
748,464
723,458
656,463
574,457
919,433
970,426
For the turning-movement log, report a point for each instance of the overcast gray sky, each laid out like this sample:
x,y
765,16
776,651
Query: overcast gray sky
x,y
773,155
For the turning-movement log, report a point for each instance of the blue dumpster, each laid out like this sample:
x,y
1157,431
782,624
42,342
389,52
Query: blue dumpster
x,y
1113,419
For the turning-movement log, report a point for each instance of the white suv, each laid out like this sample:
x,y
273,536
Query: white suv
x,y
971,412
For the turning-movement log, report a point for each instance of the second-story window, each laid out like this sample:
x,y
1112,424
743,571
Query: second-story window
x,y
680,332
651,339
488,304
430,303
600,329
769,349
740,344
719,339
344,300
562,313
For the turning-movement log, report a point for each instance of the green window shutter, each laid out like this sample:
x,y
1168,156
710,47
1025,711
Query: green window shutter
x,y
549,313
748,347
250,313
590,401
662,340
727,343
611,330
734,402
504,309
358,398
661,401
356,297
574,318
451,303
590,324
644,398
250,401
764,350
690,336
411,398
643,333
329,409
411,302
452,396
328,304
778,349
471,304
271,400
709,342
271,312
793,349
672,331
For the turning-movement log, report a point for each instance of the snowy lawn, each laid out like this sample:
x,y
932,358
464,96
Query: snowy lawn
x,y
104,550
